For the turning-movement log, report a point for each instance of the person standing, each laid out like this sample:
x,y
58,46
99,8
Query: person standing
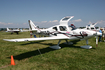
x,y
30,34
100,35
104,34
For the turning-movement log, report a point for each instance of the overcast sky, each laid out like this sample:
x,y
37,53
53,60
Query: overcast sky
x,y
46,13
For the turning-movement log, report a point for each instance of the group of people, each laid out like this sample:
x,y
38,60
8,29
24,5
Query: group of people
x,y
32,34
102,37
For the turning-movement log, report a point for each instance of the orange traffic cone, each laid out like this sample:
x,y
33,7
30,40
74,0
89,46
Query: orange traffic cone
x,y
12,60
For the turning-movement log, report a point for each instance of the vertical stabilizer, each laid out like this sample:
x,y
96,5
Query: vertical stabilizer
x,y
8,29
33,27
31,24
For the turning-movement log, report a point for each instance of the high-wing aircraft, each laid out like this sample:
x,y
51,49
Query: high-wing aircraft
x,y
61,32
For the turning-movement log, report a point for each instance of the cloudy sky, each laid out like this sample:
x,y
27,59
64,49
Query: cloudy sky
x,y
46,13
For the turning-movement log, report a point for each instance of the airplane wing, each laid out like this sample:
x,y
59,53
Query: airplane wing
x,y
37,39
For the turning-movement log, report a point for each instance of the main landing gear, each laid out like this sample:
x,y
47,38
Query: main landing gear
x,y
58,47
69,43
86,46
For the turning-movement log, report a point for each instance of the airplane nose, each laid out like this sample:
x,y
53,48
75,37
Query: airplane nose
x,y
98,33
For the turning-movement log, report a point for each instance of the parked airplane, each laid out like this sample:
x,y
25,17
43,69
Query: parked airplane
x,y
13,31
61,32
16,30
92,27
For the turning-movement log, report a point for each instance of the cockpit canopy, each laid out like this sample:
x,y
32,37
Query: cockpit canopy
x,y
60,28
64,28
65,20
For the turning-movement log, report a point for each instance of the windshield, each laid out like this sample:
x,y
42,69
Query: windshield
x,y
63,28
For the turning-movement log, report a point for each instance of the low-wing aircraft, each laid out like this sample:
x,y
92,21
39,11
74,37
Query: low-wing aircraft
x,y
16,30
13,31
92,27
61,32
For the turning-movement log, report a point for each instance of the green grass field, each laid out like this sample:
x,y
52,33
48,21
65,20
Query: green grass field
x,y
70,57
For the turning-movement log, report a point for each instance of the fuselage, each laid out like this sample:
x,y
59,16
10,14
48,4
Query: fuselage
x,y
65,30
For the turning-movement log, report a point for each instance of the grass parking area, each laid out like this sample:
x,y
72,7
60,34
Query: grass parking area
x,y
37,55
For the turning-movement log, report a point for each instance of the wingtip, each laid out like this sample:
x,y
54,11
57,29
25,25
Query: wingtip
x,y
8,40
5,39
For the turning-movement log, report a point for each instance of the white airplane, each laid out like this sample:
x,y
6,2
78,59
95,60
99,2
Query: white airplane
x,y
13,31
16,30
92,27
61,32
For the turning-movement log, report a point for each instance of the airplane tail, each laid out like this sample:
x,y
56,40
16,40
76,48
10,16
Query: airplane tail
x,y
8,29
33,27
